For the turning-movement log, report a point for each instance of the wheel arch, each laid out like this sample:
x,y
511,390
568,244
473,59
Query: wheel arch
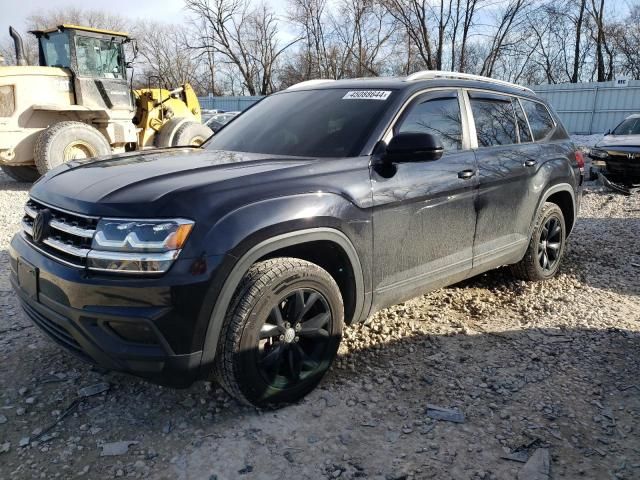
x,y
564,196
299,244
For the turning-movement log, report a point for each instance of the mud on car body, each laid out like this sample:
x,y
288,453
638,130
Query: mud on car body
x,y
242,261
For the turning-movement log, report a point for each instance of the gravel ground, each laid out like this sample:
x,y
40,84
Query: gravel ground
x,y
532,371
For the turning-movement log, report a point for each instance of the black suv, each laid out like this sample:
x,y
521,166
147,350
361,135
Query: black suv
x,y
243,260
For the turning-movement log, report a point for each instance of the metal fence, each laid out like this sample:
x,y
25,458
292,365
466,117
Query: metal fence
x,y
587,108
228,104
584,108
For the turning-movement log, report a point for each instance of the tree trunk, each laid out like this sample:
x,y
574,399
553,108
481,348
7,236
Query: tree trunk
x,y
576,55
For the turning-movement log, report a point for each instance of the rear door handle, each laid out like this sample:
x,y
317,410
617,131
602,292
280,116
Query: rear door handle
x,y
530,163
466,174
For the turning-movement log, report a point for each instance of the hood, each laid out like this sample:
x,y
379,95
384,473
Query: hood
x,y
620,142
167,179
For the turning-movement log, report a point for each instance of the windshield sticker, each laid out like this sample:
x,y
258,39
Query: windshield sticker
x,y
367,95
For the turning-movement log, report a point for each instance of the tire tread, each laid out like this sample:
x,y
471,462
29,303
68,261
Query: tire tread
x,y
257,278
525,269
47,136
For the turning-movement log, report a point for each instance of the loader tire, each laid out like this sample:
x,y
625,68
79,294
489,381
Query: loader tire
x,y
191,134
66,141
21,173
164,138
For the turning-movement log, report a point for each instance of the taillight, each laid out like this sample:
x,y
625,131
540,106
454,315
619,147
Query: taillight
x,y
580,158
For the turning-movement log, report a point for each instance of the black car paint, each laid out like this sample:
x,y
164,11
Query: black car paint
x,y
246,206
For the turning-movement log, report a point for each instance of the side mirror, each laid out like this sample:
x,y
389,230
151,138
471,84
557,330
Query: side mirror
x,y
608,132
414,147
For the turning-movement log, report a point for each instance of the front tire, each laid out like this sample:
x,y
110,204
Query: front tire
x,y
546,247
281,332
66,141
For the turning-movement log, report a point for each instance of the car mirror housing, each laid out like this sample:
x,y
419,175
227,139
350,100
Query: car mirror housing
x,y
414,147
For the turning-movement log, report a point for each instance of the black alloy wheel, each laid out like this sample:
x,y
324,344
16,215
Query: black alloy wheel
x,y
542,258
550,244
281,332
294,338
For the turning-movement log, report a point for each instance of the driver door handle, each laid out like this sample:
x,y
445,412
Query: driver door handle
x,y
466,174
530,163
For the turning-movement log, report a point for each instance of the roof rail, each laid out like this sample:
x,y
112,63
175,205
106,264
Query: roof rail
x,y
432,74
310,83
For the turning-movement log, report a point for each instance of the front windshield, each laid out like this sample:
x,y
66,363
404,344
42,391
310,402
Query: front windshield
x,y
99,57
55,47
309,123
630,126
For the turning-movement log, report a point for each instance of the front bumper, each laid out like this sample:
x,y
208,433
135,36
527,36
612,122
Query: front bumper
x,y
87,314
624,166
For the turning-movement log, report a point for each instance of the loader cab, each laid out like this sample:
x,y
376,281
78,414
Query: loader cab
x,y
96,61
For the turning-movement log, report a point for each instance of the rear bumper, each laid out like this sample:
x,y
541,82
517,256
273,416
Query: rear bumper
x,y
87,315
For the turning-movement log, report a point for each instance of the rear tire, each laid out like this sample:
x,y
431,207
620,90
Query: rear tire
x,y
67,141
281,332
546,247
191,134
25,174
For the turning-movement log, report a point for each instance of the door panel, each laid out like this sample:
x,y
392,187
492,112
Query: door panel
x,y
424,212
505,203
506,174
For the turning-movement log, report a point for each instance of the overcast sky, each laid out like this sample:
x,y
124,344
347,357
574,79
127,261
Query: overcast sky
x,y
15,11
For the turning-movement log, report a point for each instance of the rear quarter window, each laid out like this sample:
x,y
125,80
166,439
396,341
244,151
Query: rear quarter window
x,y
540,120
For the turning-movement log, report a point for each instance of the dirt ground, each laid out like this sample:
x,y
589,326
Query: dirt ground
x,y
534,368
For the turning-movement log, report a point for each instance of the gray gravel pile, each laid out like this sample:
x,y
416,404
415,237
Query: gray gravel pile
x,y
493,378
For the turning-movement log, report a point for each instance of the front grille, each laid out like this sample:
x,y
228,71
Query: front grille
x,y
619,163
69,234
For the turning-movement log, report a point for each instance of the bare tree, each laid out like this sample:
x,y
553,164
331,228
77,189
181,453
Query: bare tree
x,y
164,53
413,16
509,20
597,12
245,38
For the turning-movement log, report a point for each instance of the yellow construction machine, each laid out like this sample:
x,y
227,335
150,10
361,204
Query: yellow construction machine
x,y
78,103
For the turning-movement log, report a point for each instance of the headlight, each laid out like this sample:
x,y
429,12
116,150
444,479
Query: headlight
x,y
137,246
595,153
7,101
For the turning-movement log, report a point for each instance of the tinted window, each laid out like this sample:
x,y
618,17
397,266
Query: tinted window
x,y
523,128
312,123
539,119
631,126
439,116
495,121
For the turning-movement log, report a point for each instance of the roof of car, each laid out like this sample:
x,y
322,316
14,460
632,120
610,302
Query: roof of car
x,y
418,81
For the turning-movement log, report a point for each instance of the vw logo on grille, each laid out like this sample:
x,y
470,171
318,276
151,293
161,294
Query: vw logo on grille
x,y
41,225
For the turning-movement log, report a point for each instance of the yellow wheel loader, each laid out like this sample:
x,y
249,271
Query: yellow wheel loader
x,y
78,104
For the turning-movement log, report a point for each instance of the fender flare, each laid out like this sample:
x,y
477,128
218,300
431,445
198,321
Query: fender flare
x,y
258,251
559,187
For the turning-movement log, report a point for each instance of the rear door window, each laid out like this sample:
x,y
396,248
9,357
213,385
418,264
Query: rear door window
x,y
539,118
437,113
494,119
